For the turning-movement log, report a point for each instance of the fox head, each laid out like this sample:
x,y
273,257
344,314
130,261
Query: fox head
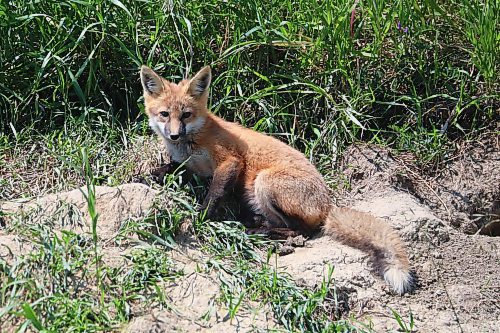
x,y
176,111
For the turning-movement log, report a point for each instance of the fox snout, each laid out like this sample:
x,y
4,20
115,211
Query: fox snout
x,y
174,130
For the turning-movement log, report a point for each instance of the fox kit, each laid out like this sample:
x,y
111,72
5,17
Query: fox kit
x,y
276,181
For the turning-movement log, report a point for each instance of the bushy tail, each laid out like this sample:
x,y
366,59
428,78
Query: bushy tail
x,y
365,232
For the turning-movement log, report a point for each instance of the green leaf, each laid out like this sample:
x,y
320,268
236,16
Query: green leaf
x,y
30,315
122,6
76,86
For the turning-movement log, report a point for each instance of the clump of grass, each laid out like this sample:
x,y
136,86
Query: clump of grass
x,y
63,283
36,164
150,267
47,286
481,29
246,275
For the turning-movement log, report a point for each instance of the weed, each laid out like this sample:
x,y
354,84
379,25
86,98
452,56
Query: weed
x,y
406,327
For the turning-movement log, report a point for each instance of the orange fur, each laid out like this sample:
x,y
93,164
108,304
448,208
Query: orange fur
x,y
277,181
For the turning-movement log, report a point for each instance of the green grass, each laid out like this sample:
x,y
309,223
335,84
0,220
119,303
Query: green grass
x,y
63,282
281,66
249,277
415,75
51,284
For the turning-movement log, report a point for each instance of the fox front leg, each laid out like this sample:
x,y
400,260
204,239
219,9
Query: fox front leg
x,y
160,173
224,179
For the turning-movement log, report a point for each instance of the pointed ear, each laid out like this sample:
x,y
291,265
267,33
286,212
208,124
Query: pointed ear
x,y
198,85
151,82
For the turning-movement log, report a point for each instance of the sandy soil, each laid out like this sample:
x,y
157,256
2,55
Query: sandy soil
x,y
192,296
458,273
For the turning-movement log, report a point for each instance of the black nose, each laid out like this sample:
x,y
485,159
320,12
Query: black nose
x,y
174,136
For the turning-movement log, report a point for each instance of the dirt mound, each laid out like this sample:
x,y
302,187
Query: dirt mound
x,y
68,211
449,296
470,185
113,204
465,193
192,297
431,214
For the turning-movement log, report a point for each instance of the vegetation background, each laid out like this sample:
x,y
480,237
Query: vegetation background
x,y
418,75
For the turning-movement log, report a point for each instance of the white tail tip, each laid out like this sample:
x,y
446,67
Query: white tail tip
x,y
400,280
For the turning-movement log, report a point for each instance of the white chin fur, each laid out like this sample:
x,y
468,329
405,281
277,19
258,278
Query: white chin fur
x,y
399,280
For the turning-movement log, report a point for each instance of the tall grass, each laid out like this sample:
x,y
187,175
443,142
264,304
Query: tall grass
x,y
334,70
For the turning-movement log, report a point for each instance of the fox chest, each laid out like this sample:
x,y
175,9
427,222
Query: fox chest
x,y
198,160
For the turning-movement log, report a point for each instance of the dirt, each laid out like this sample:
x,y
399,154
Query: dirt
x,y
458,275
458,288
113,204
68,210
464,191
193,296
458,269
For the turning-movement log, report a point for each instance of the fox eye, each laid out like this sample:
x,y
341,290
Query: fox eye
x,y
164,114
186,115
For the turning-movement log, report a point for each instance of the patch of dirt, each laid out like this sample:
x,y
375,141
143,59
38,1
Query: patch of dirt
x,y
470,185
192,297
449,297
113,204
193,300
465,192
458,273
69,211
12,245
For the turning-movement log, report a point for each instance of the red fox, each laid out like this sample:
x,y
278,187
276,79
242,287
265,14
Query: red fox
x,y
277,181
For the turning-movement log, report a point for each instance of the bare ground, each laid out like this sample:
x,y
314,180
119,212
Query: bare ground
x,y
458,275
458,287
192,296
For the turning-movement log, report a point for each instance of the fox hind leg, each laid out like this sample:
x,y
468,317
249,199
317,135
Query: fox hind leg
x,y
295,200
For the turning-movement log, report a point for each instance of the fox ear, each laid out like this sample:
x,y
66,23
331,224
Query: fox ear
x,y
198,85
151,82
